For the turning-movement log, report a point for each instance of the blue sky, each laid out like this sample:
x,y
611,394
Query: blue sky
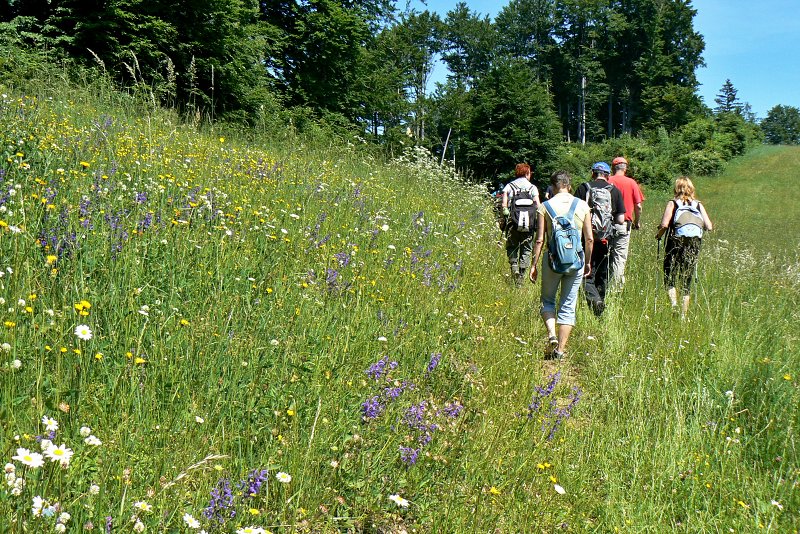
x,y
754,43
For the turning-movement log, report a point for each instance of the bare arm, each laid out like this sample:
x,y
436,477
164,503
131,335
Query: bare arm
x,y
537,246
637,212
706,220
588,244
505,199
665,219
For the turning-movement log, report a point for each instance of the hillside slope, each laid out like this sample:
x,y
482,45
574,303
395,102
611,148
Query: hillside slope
x,y
202,331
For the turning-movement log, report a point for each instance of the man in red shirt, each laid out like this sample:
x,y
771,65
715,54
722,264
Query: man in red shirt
x,y
632,198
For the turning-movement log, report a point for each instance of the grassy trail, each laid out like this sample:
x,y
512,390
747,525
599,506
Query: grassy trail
x,y
689,426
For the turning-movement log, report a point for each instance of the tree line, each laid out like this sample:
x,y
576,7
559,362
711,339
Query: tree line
x,y
541,73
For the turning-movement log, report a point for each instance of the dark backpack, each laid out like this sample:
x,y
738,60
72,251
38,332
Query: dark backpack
x,y
599,199
522,210
564,247
687,220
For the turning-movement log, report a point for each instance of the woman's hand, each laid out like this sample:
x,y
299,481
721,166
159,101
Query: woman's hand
x,y
534,273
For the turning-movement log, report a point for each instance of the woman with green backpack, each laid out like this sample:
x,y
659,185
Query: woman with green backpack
x,y
684,221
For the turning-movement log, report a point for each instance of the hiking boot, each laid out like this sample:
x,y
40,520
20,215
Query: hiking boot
x,y
553,341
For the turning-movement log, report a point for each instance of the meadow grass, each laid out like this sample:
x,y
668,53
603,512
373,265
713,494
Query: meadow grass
x,y
297,336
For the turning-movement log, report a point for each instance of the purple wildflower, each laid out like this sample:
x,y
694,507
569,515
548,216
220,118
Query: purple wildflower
x,y
221,505
415,415
343,258
379,368
141,197
409,455
331,277
453,409
540,394
252,484
109,524
435,357
372,408
391,393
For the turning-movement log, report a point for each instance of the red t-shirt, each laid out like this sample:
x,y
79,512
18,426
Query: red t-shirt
x,y
631,193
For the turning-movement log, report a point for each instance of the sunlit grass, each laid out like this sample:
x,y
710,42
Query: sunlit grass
x,y
304,338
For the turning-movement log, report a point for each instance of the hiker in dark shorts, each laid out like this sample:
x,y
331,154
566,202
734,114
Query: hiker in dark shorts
x,y
684,220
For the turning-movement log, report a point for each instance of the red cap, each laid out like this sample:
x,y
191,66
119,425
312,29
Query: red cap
x,y
619,160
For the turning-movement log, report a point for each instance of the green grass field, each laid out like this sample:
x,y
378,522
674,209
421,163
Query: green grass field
x,y
201,333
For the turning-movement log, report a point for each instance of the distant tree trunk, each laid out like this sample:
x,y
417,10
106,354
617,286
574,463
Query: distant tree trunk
x,y
582,124
610,116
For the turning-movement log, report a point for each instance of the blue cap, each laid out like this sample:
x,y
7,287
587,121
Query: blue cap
x,y
602,166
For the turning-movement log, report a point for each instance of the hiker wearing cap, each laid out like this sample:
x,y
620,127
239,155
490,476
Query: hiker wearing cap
x,y
520,201
632,198
608,210
572,218
686,219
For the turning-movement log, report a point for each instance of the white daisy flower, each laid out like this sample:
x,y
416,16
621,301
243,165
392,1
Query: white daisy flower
x,y
190,521
83,332
399,501
61,454
49,423
93,440
28,458
284,478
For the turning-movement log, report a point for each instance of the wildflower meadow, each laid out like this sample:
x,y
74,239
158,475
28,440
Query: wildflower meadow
x,y
207,332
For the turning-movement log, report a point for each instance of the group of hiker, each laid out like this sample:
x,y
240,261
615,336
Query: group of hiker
x,y
583,240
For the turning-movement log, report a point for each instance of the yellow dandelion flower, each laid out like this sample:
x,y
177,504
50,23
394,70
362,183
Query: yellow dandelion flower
x,y
63,350
787,376
139,360
85,164
77,351
98,356
184,322
51,259
290,412
494,491
254,511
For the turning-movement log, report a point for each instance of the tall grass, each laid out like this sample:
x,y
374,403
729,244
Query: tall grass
x,y
305,309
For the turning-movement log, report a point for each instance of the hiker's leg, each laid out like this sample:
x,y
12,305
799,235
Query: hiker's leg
x,y
564,331
548,298
525,253
594,284
568,302
619,258
601,267
512,251
673,296
685,309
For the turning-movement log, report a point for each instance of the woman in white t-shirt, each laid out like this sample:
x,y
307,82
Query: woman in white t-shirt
x,y
561,203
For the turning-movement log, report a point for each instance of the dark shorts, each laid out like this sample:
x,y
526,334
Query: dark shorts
x,y
680,260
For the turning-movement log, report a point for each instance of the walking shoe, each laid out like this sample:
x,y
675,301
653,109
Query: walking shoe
x,y
553,340
554,355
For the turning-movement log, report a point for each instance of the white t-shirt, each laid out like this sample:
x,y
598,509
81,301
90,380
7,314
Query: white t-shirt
x,y
520,183
560,204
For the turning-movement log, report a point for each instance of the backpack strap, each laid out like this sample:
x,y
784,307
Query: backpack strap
x,y
571,213
550,210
